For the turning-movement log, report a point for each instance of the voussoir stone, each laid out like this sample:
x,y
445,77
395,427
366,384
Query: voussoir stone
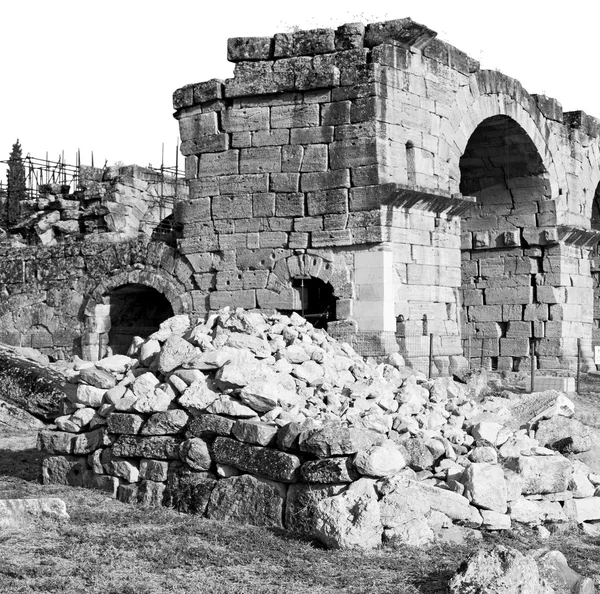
x,y
267,462
337,440
158,447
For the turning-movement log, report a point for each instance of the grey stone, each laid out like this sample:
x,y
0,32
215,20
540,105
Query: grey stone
x,y
337,440
330,470
195,453
267,462
255,432
208,425
167,422
64,470
124,423
188,491
160,448
247,499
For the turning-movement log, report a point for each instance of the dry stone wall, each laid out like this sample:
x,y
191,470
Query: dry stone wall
x,y
384,140
266,420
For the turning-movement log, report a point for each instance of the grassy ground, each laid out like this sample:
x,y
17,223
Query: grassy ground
x,y
111,548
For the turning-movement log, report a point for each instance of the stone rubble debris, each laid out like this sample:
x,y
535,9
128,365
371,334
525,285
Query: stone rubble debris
x,y
263,419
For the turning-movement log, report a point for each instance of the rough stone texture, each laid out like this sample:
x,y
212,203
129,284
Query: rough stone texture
x,y
247,500
64,470
500,569
161,448
543,474
272,464
569,436
486,487
188,491
349,520
14,512
335,440
329,470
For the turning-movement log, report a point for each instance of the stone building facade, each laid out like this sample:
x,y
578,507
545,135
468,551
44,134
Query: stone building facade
x,y
387,163
372,174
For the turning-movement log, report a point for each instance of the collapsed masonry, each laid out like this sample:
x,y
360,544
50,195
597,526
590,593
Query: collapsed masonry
x,y
266,420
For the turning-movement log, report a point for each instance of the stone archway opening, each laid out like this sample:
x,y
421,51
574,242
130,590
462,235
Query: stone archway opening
x,y
167,231
501,252
134,310
317,300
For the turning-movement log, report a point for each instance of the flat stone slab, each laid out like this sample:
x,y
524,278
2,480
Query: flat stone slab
x,y
15,512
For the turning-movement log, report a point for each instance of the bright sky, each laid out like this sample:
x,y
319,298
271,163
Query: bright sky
x,y
99,76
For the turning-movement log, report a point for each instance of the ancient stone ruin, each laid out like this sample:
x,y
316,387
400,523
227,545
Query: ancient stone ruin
x,y
364,177
266,420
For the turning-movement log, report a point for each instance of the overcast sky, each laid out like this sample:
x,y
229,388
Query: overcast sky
x,y
99,76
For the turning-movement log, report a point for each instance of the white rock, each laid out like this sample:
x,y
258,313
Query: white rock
x,y
379,461
88,395
198,396
116,363
486,487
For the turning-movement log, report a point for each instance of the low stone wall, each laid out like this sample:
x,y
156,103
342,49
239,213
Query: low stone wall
x,y
267,421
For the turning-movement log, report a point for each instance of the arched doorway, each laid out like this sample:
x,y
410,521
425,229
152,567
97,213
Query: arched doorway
x,y
134,310
502,258
317,301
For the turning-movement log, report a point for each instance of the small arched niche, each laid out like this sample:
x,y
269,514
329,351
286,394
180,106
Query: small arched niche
x,y
317,302
134,310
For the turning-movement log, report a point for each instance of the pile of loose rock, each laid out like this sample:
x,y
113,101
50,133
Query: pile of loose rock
x,y
268,421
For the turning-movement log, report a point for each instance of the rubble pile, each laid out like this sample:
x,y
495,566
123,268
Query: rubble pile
x,y
265,420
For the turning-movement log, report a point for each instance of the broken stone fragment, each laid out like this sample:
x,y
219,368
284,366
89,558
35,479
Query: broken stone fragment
x,y
194,452
175,351
98,378
255,432
349,520
116,364
168,422
15,512
485,486
567,435
330,470
337,440
198,396
379,461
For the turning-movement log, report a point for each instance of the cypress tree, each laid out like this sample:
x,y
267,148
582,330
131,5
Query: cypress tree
x,y
16,189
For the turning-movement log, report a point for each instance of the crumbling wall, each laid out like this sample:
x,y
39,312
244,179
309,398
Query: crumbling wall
x,y
265,420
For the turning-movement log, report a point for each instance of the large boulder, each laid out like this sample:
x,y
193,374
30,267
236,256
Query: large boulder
x,y
501,570
349,520
567,435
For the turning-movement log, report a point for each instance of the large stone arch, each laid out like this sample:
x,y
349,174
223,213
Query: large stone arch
x,y
494,94
96,310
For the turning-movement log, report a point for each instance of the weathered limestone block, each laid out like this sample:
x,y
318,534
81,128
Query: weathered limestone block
x,y
378,461
349,520
337,440
167,422
120,467
88,395
267,462
151,493
188,491
160,448
86,443
486,487
542,474
154,470
124,423
97,378
329,470
108,484
255,432
566,435
583,510
64,470
175,352
301,505
534,513
404,517
56,442
247,119
498,570
195,453
247,500
207,426
14,512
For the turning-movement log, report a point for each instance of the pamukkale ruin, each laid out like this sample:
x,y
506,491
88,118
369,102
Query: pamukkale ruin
x,y
364,179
